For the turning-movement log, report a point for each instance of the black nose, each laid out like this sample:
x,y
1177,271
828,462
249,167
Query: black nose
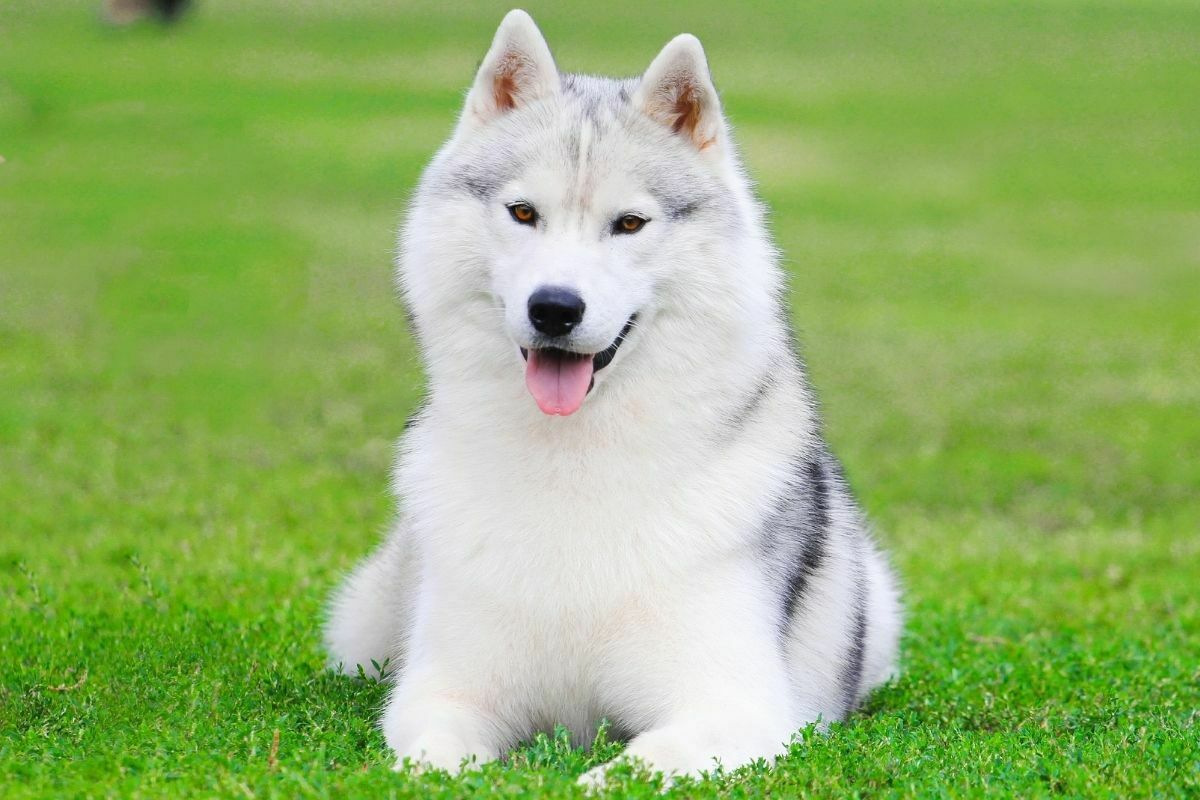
x,y
555,311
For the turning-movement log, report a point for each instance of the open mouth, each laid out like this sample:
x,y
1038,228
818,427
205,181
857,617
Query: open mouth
x,y
559,380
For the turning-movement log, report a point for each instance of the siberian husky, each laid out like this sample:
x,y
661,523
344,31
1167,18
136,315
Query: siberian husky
x,y
615,503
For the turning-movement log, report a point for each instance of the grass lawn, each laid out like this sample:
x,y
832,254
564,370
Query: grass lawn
x,y
991,212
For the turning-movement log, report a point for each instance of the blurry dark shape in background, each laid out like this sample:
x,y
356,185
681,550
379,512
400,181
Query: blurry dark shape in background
x,y
127,12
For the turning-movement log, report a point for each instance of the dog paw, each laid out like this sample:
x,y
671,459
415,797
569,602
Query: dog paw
x,y
675,754
594,779
615,773
634,766
438,751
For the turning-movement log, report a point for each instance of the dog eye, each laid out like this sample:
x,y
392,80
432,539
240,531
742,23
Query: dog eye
x,y
630,223
523,213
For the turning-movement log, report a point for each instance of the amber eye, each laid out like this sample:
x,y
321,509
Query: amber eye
x,y
523,213
630,223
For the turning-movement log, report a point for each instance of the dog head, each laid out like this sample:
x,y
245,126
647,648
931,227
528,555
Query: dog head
x,y
571,221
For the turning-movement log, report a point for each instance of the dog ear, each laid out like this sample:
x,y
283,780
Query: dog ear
x,y
517,70
677,91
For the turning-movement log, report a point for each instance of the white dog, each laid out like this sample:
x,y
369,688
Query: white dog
x,y
658,537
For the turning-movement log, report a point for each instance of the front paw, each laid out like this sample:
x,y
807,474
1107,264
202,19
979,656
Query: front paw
x,y
621,773
681,753
654,761
439,751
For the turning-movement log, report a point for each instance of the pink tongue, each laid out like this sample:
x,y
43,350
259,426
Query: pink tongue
x,y
558,382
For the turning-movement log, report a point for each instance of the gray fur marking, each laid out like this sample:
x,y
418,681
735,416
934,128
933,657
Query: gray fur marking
x,y
851,673
797,533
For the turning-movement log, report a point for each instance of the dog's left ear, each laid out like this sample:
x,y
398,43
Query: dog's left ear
x,y
678,92
517,70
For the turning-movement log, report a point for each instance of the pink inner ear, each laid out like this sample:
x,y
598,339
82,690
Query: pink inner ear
x,y
680,108
686,110
506,86
504,90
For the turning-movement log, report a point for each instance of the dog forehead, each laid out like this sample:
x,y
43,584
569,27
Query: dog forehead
x,y
589,138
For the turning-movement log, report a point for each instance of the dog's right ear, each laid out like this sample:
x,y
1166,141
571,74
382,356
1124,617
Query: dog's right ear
x,y
517,70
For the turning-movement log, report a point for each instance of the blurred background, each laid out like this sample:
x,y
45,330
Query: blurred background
x,y
991,216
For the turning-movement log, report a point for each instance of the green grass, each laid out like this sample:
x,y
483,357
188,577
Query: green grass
x,y
992,215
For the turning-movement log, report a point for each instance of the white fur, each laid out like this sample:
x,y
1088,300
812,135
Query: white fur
x,y
609,564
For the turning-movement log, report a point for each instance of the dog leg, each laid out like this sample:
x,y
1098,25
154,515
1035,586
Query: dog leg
x,y
705,681
437,730
372,609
